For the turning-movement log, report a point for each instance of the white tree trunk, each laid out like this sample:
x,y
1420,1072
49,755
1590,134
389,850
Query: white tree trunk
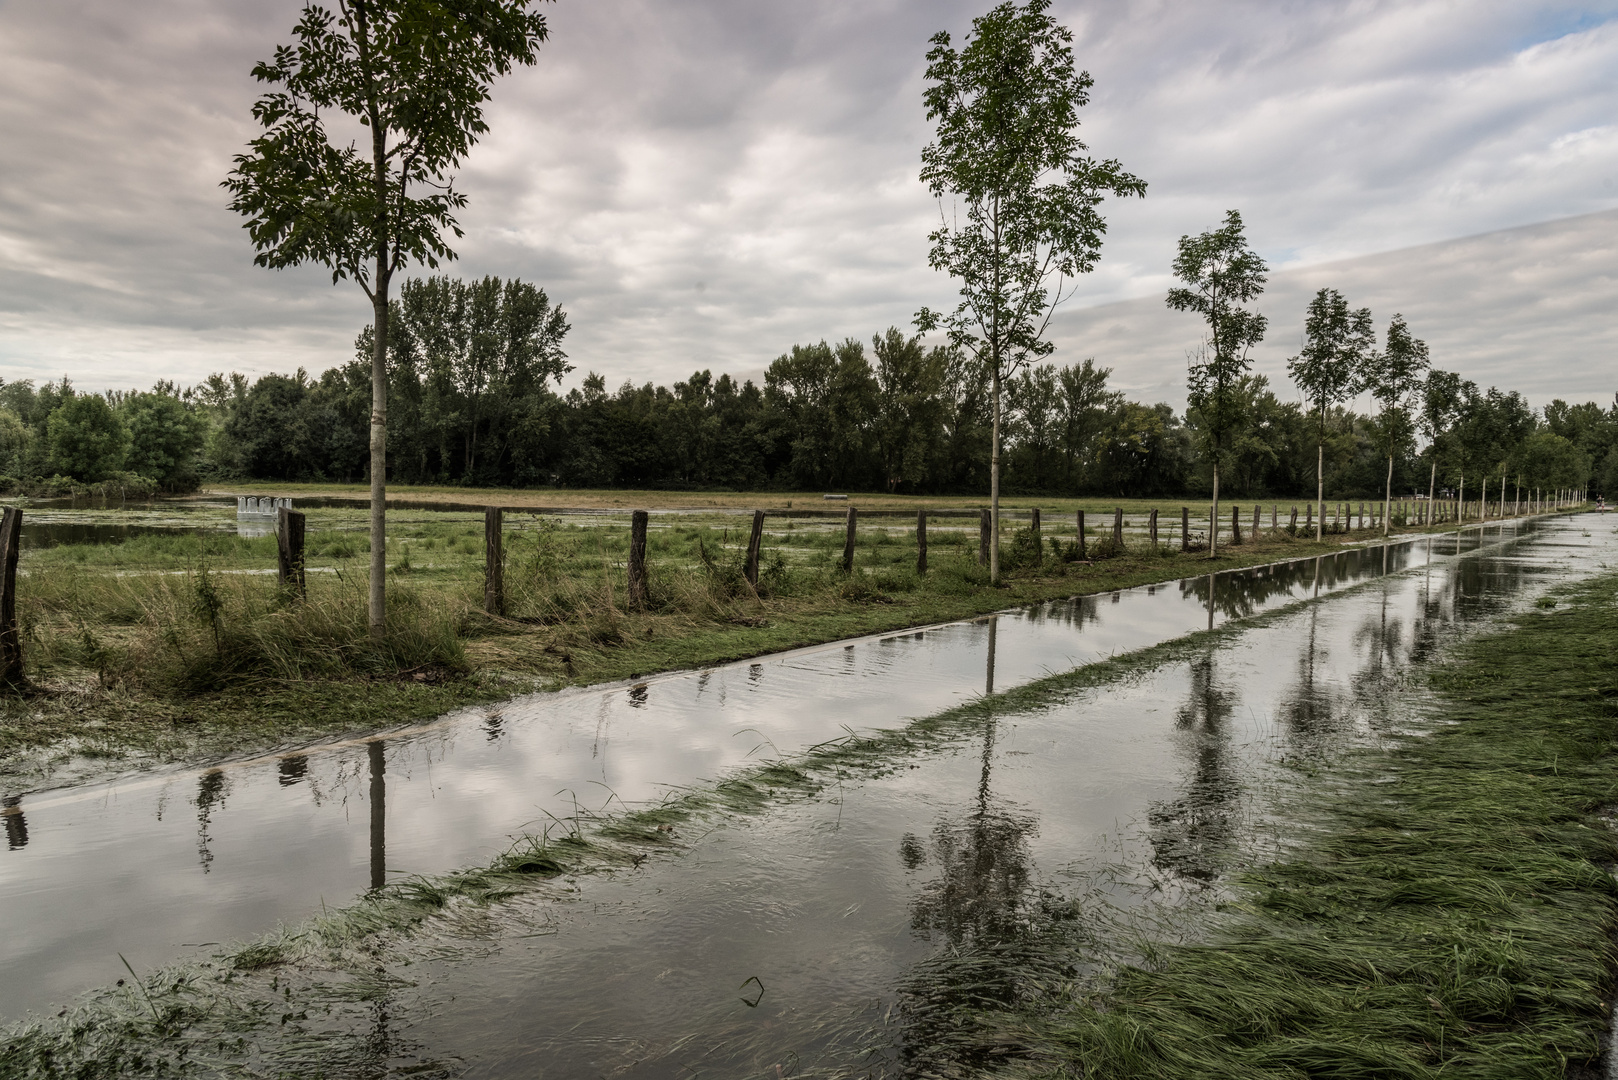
x,y
994,486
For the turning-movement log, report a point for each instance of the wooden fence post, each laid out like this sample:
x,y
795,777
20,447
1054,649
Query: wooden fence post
x,y
1235,525
1309,518
10,635
1033,530
637,560
289,528
1118,530
754,539
921,541
1081,534
1257,510
1151,528
1293,524
848,541
1185,528
985,526
494,561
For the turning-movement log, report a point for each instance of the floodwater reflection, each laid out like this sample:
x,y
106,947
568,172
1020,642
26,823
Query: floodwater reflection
x,y
351,814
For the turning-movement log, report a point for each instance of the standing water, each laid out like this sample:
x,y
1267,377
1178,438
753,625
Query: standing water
x,y
829,910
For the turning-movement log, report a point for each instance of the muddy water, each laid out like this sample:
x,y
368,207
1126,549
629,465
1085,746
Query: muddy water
x,y
827,903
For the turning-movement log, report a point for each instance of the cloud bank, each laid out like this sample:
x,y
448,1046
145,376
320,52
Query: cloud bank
x,y
704,184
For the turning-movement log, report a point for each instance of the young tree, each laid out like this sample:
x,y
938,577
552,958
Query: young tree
x,y
1337,348
416,74
1394,377
1024,222
1221,273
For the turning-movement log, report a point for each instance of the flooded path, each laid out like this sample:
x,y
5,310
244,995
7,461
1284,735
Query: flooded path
x,y
827,904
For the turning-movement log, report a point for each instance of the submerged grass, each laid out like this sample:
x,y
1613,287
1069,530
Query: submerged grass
x,y
1454,916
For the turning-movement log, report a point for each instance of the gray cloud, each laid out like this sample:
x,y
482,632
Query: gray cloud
x,y
1525,309
703,184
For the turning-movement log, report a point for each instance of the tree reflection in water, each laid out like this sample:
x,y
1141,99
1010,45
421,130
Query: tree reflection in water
x,y
1191,834
995,932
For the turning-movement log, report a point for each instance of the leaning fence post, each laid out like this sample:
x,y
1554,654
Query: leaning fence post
x,y
494,578
754,539
289,526
1235,525
1033,529
1118,530
1081,535
1257,510
10,636
1309,518
637,560
1185,528
985,527
1151,528
921,541
848,541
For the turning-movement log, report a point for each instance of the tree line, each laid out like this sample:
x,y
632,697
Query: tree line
x,y
474,372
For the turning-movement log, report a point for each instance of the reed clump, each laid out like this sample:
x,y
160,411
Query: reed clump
x,y
201,630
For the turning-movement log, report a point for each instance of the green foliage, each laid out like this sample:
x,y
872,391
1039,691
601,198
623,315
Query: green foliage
x,y
165,437
311,197
88,440
1007,152
1337,356
1221,274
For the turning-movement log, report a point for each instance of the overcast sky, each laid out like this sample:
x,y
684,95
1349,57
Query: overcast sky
x,y
703,184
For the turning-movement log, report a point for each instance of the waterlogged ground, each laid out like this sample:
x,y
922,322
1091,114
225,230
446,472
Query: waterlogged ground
x,y
817,936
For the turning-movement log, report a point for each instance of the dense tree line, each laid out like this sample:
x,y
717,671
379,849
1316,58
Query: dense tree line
x,y
474,398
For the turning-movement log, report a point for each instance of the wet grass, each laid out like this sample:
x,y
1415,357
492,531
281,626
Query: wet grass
x,y
1452,914
162,649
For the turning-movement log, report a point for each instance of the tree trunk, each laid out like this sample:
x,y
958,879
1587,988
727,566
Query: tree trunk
x,y
1387,500
379,456
994,485
1320,489
1213,522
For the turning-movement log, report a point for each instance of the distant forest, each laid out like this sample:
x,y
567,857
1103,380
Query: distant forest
x,y
473,399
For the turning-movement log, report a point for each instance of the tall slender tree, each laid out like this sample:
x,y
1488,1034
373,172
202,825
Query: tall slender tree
x,y
1395,376
1018,200
415,74
1338,346
1221,274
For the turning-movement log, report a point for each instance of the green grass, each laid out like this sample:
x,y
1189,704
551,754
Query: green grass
x,y
1452,916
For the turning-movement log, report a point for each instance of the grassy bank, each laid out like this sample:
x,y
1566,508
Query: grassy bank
x,y
1451,915
172,647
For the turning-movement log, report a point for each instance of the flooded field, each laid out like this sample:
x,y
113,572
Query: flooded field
x,y
1148,788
